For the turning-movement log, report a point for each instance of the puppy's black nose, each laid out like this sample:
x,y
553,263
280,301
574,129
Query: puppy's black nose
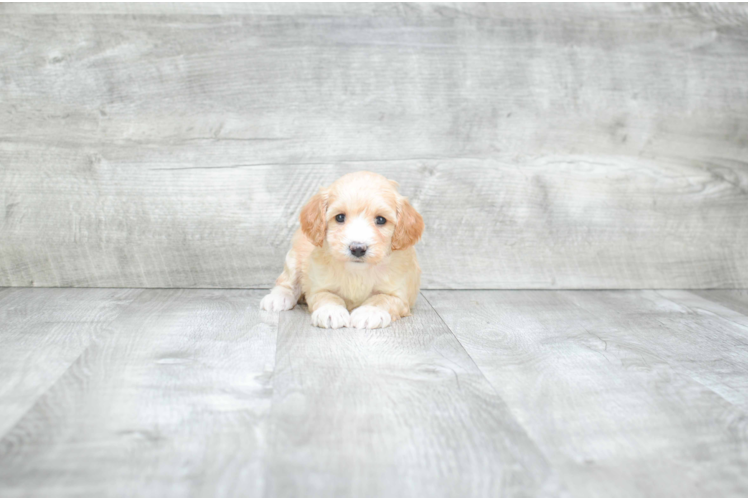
x,y
358,249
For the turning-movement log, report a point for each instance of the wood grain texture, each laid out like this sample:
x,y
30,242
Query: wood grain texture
x,y
626,393
401,411
42,333
490,224
171,403
541,393
548,146
732,299
185,398
714,13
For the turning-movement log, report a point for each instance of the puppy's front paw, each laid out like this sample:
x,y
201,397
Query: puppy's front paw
x,y
331,316
278,300
370,317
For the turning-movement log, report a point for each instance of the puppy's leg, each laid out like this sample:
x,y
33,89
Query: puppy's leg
x,y
378,311
287,289
328,310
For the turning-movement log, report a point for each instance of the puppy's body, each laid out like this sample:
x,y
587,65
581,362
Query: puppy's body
x,y
361,271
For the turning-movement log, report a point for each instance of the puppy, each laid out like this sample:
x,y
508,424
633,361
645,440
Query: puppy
x,y
353,259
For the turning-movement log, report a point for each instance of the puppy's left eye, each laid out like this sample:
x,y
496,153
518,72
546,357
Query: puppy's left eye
x,y
381,221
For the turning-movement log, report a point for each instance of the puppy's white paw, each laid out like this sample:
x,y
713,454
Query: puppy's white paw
x,y
370,317
331,316
278,300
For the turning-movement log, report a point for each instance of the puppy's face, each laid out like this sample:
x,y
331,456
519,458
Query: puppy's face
x,y
361,218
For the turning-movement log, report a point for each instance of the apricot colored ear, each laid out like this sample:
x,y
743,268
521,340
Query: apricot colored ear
x,y
312,218
409,227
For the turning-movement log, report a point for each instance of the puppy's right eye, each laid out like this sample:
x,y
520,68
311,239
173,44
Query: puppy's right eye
x,y
340,217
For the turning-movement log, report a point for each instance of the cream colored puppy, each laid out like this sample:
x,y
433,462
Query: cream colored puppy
x,y
353,259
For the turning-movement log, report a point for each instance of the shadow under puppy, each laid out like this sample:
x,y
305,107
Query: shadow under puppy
x,y
353,259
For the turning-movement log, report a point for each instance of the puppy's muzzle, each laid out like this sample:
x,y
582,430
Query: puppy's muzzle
x,y
357,249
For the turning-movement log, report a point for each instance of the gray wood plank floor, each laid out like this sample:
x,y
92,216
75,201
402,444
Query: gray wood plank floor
x,y
631,393
117,392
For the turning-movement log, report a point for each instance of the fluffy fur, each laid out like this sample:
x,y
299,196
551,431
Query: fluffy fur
x,y
341,289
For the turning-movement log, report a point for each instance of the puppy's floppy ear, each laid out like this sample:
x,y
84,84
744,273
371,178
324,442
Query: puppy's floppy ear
x,y
409,227
312,218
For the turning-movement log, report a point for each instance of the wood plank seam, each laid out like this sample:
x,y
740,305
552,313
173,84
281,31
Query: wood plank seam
x,y
457,339
93,341
490,384
716,305
306,398
553,340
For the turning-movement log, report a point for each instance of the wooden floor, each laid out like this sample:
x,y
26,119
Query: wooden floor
x,y
129,392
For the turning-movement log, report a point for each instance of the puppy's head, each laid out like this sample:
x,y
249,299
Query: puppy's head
x,y
361,218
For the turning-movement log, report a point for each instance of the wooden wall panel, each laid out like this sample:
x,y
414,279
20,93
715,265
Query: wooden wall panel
x,y
548,146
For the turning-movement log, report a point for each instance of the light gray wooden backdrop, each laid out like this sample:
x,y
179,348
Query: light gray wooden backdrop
x,y
547,146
